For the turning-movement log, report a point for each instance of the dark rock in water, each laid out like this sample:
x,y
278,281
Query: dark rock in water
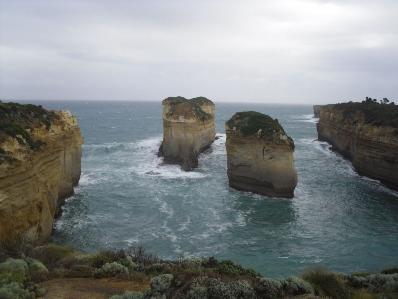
x,y
365,133
260,155
188,130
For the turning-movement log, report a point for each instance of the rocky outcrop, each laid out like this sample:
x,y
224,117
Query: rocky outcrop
x,y
188,129
40,153
366,134
260,155
317,109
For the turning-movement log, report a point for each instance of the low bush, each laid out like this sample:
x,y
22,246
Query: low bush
x,y
327,283
15,290
111,270
296,286
269,288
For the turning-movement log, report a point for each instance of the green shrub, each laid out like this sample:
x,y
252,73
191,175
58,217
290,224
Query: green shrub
x,y
327,283
14,270
161,283
111,270
269,288
230,268
37,271
14,290
382,282
51,254
390,270
296,286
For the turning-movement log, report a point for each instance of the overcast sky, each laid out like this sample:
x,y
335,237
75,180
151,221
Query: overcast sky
x,y
285,51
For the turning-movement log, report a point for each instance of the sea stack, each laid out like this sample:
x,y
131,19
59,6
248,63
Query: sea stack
x,y
40,156
260,155
366,134
188,129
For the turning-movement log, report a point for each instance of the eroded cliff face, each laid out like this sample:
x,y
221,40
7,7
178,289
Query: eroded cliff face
x,y
34,182
188,129
371,146
260,155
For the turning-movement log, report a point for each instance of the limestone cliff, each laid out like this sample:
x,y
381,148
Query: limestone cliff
x,y
260,155
188,129
317,109
40,153
366,134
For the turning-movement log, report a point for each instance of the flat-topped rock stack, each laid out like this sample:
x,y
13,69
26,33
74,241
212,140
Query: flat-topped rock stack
x,y
260,155
40,163
188,129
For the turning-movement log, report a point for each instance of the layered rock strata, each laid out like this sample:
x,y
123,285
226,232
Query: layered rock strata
x,y
366,134
188,129
260,155
40,163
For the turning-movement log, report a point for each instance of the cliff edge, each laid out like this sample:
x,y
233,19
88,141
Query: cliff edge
x,y
40,153
188,129
260,155
365,133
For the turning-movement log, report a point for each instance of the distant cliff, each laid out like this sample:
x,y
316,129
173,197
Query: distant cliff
x,y
260,155
40,153
365,133
188,129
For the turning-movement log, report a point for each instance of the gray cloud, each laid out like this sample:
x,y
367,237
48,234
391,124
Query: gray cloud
x,y
301,51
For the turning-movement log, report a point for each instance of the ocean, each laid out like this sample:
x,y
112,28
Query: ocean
x,y
127,197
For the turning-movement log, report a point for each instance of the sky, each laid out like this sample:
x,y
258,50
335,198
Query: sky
x,y
285,51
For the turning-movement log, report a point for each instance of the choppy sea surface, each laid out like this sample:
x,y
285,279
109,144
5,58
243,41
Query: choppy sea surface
x,y
126,196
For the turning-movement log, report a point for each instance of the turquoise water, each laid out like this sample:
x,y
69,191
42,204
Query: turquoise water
x,y
127,197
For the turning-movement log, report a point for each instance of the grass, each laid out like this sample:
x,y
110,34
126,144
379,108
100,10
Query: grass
x,y
327,283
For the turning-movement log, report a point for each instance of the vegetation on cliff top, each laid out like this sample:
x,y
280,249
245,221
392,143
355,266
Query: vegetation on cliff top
x,y
250,122
16,121
382,113
25,273
181,105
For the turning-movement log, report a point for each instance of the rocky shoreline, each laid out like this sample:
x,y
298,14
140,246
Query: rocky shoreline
x,y
366,134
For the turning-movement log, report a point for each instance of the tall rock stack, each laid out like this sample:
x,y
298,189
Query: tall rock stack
x,y
188,129
40,163
260,155
365,133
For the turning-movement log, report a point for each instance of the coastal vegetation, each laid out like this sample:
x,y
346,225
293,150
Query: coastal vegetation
x,y
193,105
374,112
18,120
27,272
250,122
